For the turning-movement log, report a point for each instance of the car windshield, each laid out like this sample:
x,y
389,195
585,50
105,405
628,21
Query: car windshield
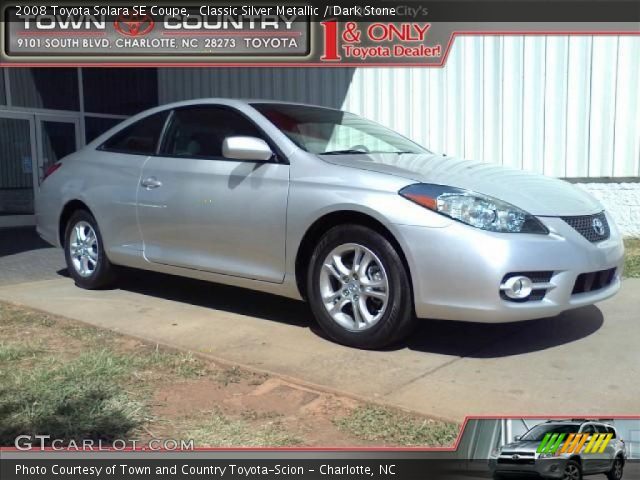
x,y
537,433
325,131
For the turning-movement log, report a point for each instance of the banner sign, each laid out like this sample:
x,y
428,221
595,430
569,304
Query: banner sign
x,y
387,33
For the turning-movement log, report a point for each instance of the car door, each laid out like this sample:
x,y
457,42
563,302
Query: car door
x,y
199,210
112,174
605,459
589,461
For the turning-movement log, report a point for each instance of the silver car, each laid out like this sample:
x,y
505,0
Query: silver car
x,y
313,203
574,448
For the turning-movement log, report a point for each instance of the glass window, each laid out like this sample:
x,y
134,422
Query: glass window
x,y
199,131
16,167
96,126
538,432
3,93
119,91
58,140
53,88
140,138
612,431
325,131
589,429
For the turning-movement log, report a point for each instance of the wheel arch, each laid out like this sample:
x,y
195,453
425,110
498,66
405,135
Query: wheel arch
x,y
68,210
333,219
577,459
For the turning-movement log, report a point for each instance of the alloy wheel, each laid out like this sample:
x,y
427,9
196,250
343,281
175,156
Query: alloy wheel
x,y
617,469
354,287
83,249
572,472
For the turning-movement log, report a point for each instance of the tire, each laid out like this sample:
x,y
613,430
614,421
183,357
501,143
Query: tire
x,y
617,470
89,266
376,322
572,471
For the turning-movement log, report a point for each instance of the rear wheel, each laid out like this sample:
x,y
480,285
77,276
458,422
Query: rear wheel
x,y
616,470
84,252
359,289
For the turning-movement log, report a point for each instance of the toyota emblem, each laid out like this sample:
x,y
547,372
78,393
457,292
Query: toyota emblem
x,y
598,226
134,25
515,456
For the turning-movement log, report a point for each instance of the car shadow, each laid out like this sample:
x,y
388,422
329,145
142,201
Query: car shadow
x,y
494,340
462,339
216,296
19,240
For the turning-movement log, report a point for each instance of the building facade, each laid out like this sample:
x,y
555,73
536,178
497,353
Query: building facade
x,y
47,113
564,106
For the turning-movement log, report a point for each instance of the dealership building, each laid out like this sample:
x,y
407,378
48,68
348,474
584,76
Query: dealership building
x,y
568,107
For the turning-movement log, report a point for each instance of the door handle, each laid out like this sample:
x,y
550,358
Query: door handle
x,y
151,182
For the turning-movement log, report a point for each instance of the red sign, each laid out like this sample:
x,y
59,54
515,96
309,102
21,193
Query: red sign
x,y
134,25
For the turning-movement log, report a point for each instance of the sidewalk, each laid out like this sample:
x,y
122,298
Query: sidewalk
x,y
579,363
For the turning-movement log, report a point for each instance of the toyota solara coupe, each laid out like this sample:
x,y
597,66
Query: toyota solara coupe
x,y
308,202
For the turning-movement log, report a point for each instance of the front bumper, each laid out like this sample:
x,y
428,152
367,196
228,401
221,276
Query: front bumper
x,y
457,270
542,468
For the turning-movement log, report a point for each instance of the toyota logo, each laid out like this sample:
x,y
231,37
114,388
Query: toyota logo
x,y
134,25
598,226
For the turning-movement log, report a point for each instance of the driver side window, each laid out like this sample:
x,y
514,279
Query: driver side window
x,y
199,131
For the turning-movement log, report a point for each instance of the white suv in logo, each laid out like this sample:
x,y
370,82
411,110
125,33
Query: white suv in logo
x,y
523,456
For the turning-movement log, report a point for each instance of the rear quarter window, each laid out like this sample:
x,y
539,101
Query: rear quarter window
x,y
139,138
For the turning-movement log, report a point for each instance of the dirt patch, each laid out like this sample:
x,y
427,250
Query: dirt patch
x,y
155,393
183,398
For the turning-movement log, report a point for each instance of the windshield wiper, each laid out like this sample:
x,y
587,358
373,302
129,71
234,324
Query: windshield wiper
x,y
344,152
361,152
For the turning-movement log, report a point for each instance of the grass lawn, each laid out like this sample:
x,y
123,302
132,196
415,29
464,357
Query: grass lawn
x,y
74,382
632,258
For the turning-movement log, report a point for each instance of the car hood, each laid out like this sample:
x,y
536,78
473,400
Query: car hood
x,y
521,446
534,193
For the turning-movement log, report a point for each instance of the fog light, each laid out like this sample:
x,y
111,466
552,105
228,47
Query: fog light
x,y
517,287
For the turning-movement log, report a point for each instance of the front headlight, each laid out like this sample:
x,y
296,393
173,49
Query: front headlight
x,y
546,455
475,209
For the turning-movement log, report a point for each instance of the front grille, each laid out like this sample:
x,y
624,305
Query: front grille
x,y
592,281
522,454
518,461
536,277
594,228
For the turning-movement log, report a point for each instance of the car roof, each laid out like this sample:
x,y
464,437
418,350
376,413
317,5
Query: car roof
x,y
238,102
578,422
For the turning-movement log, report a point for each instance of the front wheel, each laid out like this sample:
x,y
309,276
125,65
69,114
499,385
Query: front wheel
x,y
572,471
86,260
359,289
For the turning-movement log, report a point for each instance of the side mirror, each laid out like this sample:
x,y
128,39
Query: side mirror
x,y
246,148
517,438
